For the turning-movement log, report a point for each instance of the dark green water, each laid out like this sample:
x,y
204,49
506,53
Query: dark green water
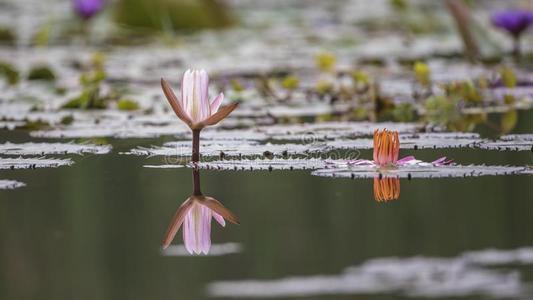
x,y
93,230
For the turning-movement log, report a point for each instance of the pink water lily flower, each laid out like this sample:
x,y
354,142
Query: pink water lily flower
x,y
195,215
193,106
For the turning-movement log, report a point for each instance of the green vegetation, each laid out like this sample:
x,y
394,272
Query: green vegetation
x,y
290,82
7,36
127,105
325,61
43,72
422,74
9,72
90,80
168,15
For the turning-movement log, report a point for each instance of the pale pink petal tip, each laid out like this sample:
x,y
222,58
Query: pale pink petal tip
x,y
442,161
216,103
405,160
220,220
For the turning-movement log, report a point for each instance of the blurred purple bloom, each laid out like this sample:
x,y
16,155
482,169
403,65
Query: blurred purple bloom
x,y
88,8
513,21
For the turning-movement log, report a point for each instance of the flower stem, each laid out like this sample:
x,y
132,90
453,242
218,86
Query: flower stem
x,y
195,160
196,181
516,47
196,145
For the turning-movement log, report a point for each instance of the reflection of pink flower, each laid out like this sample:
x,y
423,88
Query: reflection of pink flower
x,y
193,106
195,215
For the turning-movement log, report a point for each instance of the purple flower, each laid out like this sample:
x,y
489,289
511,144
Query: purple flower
x,y
88,8
513,21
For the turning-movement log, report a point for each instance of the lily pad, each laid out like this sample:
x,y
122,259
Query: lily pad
x,y
52,148
6,184
264,164
514,142
228,148
116,131
418,171
414,141
32,163
10,125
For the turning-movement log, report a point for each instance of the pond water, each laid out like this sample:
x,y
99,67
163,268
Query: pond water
x,y
94,231
94,163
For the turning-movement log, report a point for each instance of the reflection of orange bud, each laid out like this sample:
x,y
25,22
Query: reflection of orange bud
x,y
386,189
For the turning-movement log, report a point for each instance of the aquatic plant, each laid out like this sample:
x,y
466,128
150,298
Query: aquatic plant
x,y
193,106
195,109
7,36
422,74
386,153
91,80
386,189
386,147
325,61
173,15
86,9
41,72
195,215
514,22
10,73
127,104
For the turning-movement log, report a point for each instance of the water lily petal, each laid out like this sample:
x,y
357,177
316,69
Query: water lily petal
x,y
187,86
216,103
405,160
220,220
203,82
174,103
218,208
177,221
189,236
360,162
442,161
205,229
220,115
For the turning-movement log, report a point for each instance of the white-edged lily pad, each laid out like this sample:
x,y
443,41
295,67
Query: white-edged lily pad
x,y
228,148
173,166
264,164
116,131
32,163
310,132
517,137
52,148
10,125
512,142
6,184
424,170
